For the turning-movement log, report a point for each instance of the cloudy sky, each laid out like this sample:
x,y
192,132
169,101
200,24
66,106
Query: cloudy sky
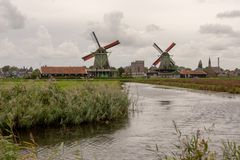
x,y
57,32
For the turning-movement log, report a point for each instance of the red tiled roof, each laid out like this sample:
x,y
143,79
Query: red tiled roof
x,y
196,72
63,70
185,71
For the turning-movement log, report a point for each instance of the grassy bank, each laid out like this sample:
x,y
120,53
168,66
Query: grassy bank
x,y
231,85
210,84
30,104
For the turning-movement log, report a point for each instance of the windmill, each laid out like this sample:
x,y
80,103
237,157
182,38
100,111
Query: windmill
x,y
166,62
100,55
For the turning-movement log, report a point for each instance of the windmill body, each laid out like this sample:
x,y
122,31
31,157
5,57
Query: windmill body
x,y
166,63
101,66
101,59
167,67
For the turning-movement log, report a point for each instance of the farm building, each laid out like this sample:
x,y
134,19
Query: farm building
x,y
47,71
186,73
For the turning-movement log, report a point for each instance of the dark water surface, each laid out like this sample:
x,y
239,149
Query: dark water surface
x,y
155,109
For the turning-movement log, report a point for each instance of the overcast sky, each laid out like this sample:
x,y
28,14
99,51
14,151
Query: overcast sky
x,y
57,32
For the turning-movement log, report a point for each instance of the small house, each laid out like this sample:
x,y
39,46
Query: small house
x,y
198,73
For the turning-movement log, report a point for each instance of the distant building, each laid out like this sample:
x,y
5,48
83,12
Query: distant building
x,y
214,71
14,72
233,73
136,69
198,73
63,71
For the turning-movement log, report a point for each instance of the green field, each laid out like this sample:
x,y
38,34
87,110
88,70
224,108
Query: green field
x,y
65,83
230,85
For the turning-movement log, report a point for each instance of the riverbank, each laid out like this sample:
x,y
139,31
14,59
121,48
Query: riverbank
x,y
30,104
230,85
151,124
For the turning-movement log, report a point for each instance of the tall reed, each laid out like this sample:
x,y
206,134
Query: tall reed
x,y
48,105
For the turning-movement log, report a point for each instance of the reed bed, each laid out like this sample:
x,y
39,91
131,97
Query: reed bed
x,y
30,105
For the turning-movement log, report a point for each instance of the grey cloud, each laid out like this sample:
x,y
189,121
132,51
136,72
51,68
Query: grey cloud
x,y
113,20
207,46
201,1
218,47
10,16
45,48
7,48
113,27
218,29
152,28
39,49
229,14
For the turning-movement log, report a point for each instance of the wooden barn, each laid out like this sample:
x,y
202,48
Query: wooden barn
x,y
49,71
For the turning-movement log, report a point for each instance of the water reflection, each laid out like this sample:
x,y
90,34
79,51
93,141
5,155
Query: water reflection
x,y
53,136
164,103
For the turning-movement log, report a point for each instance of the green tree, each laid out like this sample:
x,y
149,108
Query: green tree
x,y
200,64
13,68
6,69
35,74
120,71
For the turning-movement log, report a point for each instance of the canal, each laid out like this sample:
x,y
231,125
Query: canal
x,y
150,123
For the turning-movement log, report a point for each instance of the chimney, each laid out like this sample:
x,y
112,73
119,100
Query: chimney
x,y
209,63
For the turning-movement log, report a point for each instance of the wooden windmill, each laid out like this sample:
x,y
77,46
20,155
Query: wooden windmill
x,y
101,62
166,62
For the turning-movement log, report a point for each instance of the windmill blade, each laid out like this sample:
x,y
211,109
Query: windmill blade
x,y
157,61
173,63
157,48
95,37
170,47
112,44
87,57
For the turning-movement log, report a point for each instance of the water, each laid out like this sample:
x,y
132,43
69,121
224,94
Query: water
x,y
151,123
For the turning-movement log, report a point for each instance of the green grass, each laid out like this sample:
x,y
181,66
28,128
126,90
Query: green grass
x,y
42,103
231,85
223,84
62,83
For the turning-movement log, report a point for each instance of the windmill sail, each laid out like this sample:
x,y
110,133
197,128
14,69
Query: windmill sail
x,y
157,48
167,64
100,55
111,44
170,47
87,57
95,37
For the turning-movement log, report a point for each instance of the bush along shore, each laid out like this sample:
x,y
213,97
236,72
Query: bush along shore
x,y
31,105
